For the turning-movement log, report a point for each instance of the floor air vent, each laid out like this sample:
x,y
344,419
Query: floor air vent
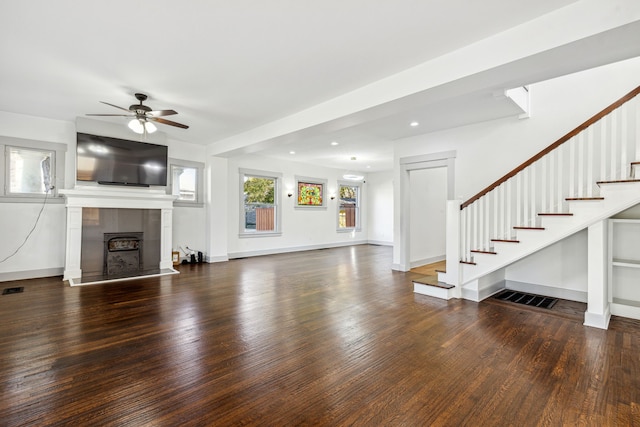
x,y
527,299
8,291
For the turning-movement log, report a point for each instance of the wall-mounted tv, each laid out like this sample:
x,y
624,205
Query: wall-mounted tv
x,y
120,162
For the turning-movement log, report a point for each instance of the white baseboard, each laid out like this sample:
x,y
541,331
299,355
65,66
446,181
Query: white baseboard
x,y
549,291
31,274
211,259
425,261
275,251
379,243
399,267
478,295
596,320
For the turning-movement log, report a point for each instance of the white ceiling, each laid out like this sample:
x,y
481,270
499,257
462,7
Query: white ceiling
x,y
229,66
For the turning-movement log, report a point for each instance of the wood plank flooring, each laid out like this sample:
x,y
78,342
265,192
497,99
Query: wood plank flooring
x,y
325,338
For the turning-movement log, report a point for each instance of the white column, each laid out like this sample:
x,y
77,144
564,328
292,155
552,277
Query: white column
x,y
453,246
72,268
597,314
166,224
217,209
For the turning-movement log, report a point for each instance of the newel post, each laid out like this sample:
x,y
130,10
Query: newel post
x,y
453,246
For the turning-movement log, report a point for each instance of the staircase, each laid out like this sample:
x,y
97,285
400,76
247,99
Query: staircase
x,y
586,176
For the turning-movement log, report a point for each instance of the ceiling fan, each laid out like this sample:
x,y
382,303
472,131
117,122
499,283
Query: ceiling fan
x,y
143,116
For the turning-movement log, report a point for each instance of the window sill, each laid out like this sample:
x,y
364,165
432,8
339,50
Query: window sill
x,y
260,234
348,230
311,208
31,199
187,205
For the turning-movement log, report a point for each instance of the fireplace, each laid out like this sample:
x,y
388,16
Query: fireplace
x,y
140,221
123,254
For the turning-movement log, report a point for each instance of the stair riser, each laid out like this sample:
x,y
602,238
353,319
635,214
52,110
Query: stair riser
x,y
433,291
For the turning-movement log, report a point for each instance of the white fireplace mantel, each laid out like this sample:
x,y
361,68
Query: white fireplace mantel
x,y
118,198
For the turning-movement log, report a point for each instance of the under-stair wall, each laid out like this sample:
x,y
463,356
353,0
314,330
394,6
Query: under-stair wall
x,y
585,176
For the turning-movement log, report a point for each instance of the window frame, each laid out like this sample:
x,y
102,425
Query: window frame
x,y
277,177
199,167
308,180
58,152
358,226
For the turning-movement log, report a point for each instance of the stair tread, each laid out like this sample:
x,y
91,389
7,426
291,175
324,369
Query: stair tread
x,y
555,214
441,271
467,262
617,181
506,240
573,199
528,228
479,251
432,281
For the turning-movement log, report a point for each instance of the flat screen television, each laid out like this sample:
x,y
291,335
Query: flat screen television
x,y
116,161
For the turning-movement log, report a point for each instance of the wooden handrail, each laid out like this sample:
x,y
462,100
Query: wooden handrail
x,y
555,145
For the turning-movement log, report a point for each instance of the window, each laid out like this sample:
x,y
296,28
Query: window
x,y
259,196
32,169
310,193
349,210
186,182
29,170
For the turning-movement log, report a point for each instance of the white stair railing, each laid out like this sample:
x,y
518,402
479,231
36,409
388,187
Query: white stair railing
x,y
600,149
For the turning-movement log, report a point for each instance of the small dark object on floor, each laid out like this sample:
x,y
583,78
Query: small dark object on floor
x,y
8,291
527,299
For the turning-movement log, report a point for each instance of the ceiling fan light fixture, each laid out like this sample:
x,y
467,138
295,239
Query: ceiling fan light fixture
x,y
140,126
151,128
136,126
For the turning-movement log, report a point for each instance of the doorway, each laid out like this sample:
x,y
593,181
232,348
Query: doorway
x,y
426,183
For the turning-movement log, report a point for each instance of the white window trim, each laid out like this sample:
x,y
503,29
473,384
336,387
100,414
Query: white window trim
x,y
199,202
276,201
325,192
358,226
57,170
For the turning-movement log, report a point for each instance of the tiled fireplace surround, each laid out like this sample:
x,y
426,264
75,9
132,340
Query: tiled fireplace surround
x,y
80,198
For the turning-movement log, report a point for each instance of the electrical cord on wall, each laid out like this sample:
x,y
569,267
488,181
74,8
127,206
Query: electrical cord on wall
x,y
44,202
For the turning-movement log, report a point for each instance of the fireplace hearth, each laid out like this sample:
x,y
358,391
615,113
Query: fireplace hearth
x,y
123,254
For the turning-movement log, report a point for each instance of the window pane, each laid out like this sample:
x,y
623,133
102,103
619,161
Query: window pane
x,y
184,183
30,171
259,204
348,212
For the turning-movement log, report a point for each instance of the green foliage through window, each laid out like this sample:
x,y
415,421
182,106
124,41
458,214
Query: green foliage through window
x,y
259,190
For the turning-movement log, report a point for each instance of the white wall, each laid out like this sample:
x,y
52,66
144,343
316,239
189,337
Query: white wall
x,y
301,228
487,151
43,254
380,203
428,203
561,265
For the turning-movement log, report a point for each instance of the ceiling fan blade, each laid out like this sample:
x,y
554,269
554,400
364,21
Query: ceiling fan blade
x,y
159,113
168,122
113,115
125,109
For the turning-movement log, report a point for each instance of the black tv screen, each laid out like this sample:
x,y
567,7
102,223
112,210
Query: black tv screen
x,y
120,162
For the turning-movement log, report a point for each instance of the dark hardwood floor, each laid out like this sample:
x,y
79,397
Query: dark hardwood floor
x,y
328,337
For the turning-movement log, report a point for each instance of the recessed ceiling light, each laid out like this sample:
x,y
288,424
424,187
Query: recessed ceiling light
x,y
353,177
292,152
414,124
368,167
334,143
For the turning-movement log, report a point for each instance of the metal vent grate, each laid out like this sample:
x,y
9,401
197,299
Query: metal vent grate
x,y
527,299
